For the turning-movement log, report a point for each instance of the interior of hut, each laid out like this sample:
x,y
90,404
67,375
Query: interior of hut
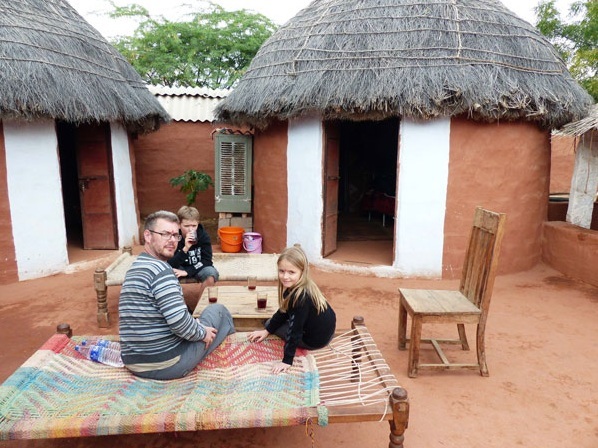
x,y
70,188
367,190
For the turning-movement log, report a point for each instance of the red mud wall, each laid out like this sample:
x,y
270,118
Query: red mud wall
x,y
562,161
8,261
159,156
504,167
270,186
571,250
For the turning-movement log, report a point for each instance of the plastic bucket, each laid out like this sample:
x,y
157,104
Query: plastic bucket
x,y
231,238
252,242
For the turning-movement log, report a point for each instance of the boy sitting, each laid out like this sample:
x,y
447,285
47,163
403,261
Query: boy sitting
x,y
193,257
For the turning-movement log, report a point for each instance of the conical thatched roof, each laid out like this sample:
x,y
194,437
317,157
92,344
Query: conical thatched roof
x,y
356,59
53,64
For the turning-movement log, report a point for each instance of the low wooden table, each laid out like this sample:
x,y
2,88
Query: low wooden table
x,y
242,304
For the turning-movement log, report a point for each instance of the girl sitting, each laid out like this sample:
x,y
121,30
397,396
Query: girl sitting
x,y
304,318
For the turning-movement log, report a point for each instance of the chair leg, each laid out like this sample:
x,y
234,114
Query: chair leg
x,y
481,349
463,336
414,345
402,327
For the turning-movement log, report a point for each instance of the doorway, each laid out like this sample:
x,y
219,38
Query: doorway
x,y
367,190
67,148
87,186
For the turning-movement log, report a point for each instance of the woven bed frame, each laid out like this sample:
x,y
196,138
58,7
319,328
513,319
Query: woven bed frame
x,y
231,267
354,385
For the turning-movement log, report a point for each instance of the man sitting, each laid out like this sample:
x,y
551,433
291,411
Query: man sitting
x,y
160,339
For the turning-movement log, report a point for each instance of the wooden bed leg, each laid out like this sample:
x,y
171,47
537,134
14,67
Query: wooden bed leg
x,y
357,320
99,283
399,403
64,329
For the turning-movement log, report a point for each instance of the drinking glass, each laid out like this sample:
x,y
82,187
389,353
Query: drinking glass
x,y
262,300
251,282
213,294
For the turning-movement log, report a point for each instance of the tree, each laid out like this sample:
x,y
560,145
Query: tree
x,y
212,49
576,40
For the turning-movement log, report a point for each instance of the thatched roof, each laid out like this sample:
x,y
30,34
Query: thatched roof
x,y
580,127
373,59
53,64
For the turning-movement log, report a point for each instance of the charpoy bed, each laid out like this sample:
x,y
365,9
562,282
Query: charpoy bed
x,y
57,393
231,267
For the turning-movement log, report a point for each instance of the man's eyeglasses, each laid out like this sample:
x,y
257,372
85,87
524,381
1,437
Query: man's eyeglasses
x,y
167,235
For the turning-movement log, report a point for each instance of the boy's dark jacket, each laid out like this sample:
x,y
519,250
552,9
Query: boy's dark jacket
x,y
199,255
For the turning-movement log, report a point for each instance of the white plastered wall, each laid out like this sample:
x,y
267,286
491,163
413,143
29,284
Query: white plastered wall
x,y
421,197
35,197
126,210
304,177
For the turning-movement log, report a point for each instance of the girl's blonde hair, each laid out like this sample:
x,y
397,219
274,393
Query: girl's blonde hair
x,y
297,258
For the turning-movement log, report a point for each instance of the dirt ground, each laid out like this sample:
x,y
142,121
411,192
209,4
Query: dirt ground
x,y
541,345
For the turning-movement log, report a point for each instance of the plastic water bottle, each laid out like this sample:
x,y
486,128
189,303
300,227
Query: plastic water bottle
x,y
114,345
101,354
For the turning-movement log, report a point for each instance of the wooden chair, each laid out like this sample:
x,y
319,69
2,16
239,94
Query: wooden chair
x,y
468,305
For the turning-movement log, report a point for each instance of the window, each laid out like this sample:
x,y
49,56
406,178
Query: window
x,y
233,173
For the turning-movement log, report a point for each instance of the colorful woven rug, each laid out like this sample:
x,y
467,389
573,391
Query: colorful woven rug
x,y
58,393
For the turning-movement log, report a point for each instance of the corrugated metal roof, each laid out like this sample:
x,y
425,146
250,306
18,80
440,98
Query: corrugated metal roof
x,y
189,103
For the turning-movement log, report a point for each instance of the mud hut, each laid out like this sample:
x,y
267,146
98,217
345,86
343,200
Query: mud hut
x,y
435,107
70,105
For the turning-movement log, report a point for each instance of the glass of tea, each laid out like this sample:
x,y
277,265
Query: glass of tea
x,y
262,300
213,294
251,282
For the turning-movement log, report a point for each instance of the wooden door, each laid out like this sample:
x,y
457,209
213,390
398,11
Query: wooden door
x,y
331,183
96,187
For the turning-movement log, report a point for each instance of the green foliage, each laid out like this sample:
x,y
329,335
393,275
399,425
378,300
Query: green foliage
x,y
212,49
576,39
192,182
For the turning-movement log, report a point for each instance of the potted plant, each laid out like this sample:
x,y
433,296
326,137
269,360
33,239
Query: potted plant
x,y
192,182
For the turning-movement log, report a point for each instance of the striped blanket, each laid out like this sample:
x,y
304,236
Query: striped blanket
x,y
58,393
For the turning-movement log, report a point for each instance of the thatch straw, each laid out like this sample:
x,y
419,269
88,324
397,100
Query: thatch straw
x,y
373,59
53,64
580,127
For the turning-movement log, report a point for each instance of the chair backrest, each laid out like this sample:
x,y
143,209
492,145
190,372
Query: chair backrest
x,y
481,258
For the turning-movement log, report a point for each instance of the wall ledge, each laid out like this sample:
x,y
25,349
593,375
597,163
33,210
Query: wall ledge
x,y
571,250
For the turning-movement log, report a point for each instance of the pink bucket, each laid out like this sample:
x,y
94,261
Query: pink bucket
x,y
252,242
